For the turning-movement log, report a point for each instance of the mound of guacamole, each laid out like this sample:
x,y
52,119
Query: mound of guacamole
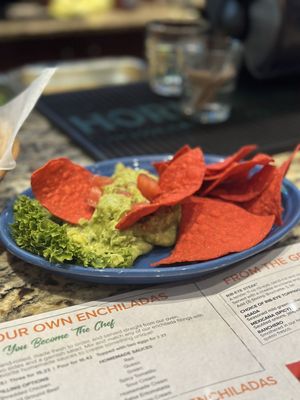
x,y
96,243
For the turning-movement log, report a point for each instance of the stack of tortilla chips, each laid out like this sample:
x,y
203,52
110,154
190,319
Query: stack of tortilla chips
x,y
226,207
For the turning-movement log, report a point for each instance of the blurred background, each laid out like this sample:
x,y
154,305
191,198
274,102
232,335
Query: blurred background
x,y
95,42
43,30
99,43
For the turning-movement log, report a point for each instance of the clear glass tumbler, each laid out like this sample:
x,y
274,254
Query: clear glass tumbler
x,y
209,69
163,43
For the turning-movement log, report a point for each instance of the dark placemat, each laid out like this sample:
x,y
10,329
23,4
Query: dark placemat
x,y
126,120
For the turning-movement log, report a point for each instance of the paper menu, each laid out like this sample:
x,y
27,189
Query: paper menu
x,y
192,341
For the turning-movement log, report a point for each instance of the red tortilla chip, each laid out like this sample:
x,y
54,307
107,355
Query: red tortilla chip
x,y
246,189
236,172
64,188
269,202
184,174
212,228
236,157
286,165
182,178
137,212
240,173
160,166
209,177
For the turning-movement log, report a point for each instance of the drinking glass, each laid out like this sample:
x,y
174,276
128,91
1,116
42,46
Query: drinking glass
x,y
163,42
209,70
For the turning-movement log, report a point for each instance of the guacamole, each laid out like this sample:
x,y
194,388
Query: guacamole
x,y
96,242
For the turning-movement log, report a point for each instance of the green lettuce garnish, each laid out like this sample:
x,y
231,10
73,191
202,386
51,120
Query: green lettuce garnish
x,y
35,230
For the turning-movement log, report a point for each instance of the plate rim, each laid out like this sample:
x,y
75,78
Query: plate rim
x,y
165,273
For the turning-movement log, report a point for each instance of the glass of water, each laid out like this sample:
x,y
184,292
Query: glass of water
x,y
163,43
209,68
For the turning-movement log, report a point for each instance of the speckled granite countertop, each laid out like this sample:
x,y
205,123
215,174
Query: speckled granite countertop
x,y
26,289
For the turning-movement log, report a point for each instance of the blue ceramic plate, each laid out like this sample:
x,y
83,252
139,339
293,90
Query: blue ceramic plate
x,y
141,272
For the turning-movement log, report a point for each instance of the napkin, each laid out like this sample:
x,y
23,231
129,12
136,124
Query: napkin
x,y
14,113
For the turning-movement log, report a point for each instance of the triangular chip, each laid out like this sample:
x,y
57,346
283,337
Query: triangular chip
x,y
247,189
269,202
211,228
64,188
286,165
160,166
182,178
236,172
214,168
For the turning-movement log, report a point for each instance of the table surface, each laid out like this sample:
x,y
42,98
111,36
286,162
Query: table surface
x,y
26,289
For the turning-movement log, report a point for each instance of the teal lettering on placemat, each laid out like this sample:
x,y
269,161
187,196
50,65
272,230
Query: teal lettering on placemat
x,y
141,120
91,123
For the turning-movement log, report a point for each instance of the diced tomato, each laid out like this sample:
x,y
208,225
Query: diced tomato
x,y
148,186
124,193
94,196
101,181
95,192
